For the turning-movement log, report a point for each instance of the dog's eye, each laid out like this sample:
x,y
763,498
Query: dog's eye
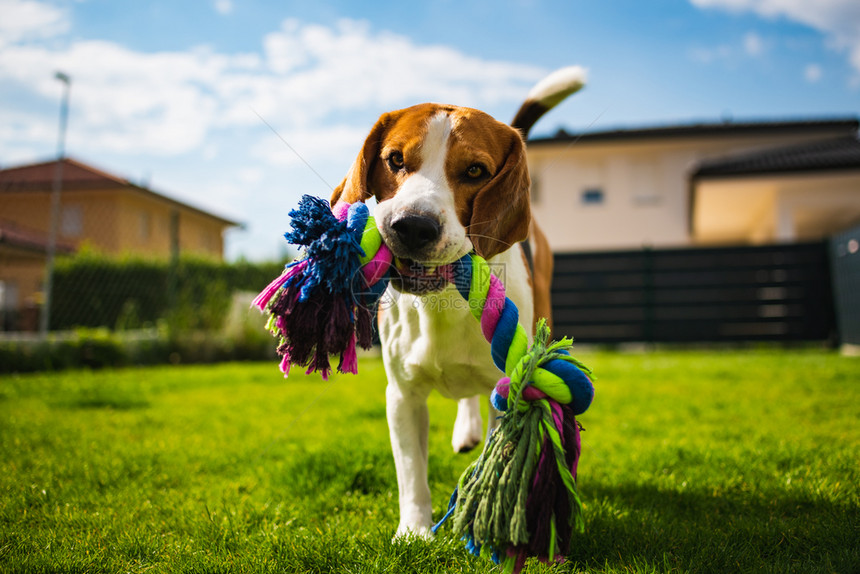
x,y
395,161
475,171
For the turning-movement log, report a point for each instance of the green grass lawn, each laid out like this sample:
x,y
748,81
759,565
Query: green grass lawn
x,y
692,462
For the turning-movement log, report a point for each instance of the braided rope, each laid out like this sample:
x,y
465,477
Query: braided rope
x,y
496,313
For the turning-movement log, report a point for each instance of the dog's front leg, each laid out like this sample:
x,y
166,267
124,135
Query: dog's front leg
x,y
409,424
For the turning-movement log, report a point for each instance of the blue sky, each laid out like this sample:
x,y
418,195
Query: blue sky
x,y
171,93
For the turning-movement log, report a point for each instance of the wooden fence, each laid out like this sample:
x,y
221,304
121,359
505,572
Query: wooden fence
x,y
762,293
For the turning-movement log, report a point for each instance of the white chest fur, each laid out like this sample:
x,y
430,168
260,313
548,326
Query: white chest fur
x,y
433,342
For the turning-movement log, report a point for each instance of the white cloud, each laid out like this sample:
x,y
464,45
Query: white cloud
x,y
711,55
753,44
250,175
224,7
839,20
188,117
311,145
30,20
750,46
124,100
812,73
318,69
305,77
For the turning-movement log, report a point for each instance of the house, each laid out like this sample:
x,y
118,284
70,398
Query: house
x,y
702,233
696,185
103,211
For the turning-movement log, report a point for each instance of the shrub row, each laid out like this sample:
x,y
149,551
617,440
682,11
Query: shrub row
x,y
113,312
94,290
101,348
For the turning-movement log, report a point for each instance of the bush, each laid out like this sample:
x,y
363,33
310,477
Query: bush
x,y
112,312
192,293
100,348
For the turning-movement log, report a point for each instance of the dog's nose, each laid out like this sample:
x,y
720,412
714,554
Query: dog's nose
x,y
416,231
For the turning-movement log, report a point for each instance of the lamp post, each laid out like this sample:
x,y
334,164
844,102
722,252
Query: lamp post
x,y
45,316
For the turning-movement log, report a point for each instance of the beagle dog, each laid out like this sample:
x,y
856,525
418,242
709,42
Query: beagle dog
x,y
449,180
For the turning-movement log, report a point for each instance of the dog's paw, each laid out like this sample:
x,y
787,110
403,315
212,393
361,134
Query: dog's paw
x,y
467,427
464,444
412,531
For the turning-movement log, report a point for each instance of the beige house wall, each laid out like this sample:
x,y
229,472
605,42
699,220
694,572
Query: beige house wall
x,y
117,222
30,210
146,228
199,235
813,208
645,185
89,217
84,215
767,209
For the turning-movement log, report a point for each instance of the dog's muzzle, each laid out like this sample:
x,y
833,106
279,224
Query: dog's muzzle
x,y
416,233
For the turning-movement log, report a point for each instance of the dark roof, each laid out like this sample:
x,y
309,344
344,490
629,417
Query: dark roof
x,y
13,235
823,155
39,177
847,126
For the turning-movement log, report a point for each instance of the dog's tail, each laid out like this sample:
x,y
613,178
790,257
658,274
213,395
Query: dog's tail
x,y
547,94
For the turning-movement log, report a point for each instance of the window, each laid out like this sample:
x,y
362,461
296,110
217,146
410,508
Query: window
x,y
592,196
72,221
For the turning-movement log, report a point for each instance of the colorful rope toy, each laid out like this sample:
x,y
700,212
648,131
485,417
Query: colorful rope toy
x,y
519,498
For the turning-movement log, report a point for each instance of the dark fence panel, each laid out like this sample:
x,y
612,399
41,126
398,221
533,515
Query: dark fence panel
x,y
762,293
845,257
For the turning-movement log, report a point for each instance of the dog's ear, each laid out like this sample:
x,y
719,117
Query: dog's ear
x,y
356,186
501,211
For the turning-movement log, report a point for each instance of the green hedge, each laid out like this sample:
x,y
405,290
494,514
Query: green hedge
x,y
93,290
114,312
101,348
